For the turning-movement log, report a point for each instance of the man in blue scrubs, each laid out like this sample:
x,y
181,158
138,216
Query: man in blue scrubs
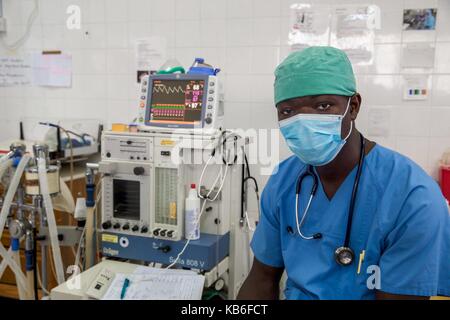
x,y
399,231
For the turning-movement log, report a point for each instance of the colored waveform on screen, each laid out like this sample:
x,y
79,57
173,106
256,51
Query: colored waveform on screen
x,y
167,89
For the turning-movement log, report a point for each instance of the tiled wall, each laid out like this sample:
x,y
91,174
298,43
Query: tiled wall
x,y
245,38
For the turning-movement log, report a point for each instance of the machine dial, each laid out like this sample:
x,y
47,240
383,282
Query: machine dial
x,y
116,225
106,225
144,230
138,171
135,228
126,226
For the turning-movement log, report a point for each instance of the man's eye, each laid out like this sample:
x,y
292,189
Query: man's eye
x,y
323,106
286,112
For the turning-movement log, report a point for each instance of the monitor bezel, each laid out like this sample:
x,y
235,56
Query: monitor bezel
x,y
184,77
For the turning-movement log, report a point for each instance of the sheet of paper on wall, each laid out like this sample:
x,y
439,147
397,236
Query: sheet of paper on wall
x,y
52,70
309,26
379,122
151,53
418,55
416,87
354,31
14,71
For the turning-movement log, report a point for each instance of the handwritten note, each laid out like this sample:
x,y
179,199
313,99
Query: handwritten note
x,y
52,70
14,71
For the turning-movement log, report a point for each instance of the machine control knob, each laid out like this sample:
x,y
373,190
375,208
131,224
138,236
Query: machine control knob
x,y
139,171
126,226
116,225
144,230
163,233
108,154
208,120
170,233
156,232
106,225
135,228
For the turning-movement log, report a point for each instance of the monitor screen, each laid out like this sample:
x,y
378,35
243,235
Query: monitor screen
x,y
178,102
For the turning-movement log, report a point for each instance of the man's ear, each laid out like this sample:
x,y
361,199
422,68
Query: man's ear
x,y
355,104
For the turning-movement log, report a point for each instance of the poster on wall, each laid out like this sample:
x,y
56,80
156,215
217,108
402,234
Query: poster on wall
x,y
416,87
309,26
418,55
14,71
354,31
52,69
379,122
150,55
419,19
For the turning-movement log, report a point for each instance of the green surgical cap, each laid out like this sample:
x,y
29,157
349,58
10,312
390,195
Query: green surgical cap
x,y
314,71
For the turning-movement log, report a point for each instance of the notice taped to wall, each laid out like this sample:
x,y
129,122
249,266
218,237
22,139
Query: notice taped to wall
x,y
14,71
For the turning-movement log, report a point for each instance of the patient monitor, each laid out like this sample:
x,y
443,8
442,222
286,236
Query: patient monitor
x,y
189,101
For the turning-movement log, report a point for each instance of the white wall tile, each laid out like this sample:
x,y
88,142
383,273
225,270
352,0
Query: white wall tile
x,y
238,88
52,12
440,90
139,10
267,116
116,11
266,31
213,9
161,10
411,122
239,8
265,59
187,33
94,11
118,87
187,9
117,35
381,89
442,59
86,108
239,32
262,88
443,21
440,122
237,115
270,8
238,60
118,62
88,61
138,30
87,87
213,33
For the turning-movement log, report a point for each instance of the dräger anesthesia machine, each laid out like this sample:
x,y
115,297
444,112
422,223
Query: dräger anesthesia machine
x,y
173,191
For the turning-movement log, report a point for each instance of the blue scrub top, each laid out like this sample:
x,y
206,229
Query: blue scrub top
x,y
401,220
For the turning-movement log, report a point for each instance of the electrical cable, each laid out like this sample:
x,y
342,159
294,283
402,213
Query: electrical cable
x,y
21,41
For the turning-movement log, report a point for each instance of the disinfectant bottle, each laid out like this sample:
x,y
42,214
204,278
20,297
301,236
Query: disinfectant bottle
x,y
191,215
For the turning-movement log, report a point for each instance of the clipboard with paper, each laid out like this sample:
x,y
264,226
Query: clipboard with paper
x,y
157,284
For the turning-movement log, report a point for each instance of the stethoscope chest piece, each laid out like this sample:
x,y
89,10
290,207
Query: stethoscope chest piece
x,y
344,256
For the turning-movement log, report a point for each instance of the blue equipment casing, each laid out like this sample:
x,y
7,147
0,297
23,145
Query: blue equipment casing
x,y
203,254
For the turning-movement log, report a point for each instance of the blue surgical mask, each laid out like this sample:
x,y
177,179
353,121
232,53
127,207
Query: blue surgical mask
x,y
315,138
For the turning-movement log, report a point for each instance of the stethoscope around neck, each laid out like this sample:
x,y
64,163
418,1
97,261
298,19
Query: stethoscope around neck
x,y
343,255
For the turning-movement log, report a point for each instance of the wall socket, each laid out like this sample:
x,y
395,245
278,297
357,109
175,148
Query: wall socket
x,y
2,25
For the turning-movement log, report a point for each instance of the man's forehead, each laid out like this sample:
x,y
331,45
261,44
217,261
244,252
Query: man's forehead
x,y
312,99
